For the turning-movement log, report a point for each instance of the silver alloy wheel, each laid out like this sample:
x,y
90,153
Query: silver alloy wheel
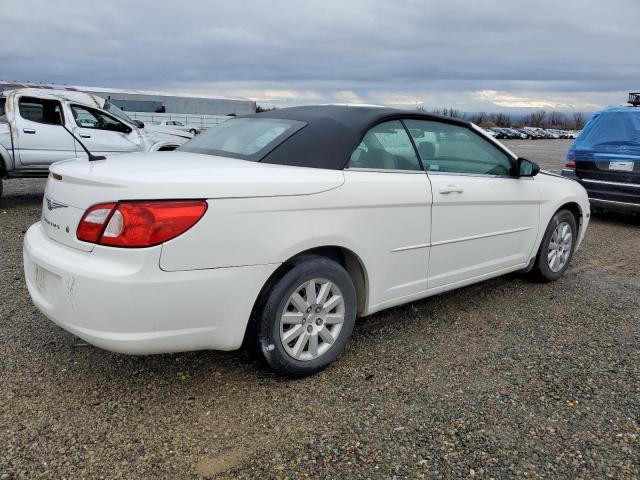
x,y
312,319
560,247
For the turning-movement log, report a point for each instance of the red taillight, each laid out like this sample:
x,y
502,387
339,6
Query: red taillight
x,y
571,161
139,223
93,222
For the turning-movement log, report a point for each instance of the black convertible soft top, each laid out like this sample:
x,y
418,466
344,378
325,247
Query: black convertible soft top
x,y
332,132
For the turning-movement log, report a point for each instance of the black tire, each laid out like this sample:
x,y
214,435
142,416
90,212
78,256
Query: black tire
x,y
541,270
193,131
276,299
1,188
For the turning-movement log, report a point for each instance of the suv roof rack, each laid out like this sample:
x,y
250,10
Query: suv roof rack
x,y
634,99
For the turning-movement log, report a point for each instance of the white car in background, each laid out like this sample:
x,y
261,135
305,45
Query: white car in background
x,y
278,229
180,126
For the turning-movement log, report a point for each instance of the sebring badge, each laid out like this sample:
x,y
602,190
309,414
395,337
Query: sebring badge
x,y
52,204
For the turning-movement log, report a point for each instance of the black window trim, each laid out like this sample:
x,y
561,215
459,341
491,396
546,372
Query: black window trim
x,y
413,143
512,159
386,170
402,117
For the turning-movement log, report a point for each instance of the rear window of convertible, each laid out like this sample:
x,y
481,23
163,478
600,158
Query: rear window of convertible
x,y
244,138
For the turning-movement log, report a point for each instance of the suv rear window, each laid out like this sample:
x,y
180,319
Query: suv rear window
x,y
610,130
244,138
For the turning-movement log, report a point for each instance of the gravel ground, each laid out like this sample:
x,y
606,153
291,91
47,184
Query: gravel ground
x,y
504,379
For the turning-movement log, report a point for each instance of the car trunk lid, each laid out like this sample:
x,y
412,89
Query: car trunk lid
x,y
75,185
60,219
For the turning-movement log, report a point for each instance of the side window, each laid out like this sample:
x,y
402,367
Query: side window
x,y
86,117
387,147
454,149
40,110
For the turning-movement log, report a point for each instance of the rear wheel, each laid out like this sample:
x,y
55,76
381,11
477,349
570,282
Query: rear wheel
x,y
556,249
307,317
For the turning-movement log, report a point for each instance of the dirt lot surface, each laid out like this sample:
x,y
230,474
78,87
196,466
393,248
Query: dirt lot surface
x,y
504,379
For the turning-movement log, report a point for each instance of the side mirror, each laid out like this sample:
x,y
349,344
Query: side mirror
x,y
527,168
138,123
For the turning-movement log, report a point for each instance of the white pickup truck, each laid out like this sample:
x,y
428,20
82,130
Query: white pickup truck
x,y
32,136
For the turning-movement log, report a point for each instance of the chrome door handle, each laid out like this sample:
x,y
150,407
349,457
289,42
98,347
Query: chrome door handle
x,y
85,135
29,130
450,189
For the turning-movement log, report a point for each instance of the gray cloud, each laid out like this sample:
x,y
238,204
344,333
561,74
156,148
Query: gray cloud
x,y
579,54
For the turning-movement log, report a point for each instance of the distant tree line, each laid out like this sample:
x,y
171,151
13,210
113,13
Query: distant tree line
x,y
260,109
539,118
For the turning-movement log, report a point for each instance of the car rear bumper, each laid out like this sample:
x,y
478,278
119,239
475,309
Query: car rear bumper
x,y
607,194
120,299
569,173
614,205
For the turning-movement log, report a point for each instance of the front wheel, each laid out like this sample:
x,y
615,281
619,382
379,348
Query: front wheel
x,y
307,317
556,249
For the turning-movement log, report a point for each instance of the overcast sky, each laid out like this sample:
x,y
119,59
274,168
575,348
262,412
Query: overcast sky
x,y
490,55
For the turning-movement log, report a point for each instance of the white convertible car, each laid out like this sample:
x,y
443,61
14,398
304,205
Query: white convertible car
x,y
280,228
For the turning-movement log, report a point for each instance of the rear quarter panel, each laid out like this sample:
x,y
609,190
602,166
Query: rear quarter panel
x,y
367,215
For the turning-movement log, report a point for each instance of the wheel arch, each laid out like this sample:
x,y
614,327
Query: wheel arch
x,y
5,161
349,260
576,210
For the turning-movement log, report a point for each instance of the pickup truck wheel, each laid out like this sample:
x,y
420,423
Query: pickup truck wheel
x,y
556,248
307,317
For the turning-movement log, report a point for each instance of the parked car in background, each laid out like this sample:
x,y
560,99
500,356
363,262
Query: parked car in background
x,y
278,229
498,132
534,133
504,133
549,134
526,134
491,132
558,133
514,134
148,127
605,159
178,125
32,136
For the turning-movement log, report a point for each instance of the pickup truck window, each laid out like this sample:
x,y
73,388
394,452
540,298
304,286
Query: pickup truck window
x,y
40,110
117,111
86,117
